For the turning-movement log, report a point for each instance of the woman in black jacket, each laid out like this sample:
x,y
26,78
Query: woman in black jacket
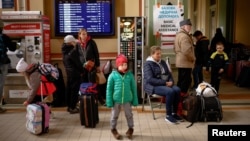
x,y
74,70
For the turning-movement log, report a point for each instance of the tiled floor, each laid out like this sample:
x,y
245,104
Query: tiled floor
x,y
66,127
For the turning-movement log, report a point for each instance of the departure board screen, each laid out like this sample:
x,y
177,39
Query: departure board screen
x,y
97,16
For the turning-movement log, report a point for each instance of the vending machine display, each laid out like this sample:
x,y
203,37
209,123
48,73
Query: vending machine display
x,y
131,42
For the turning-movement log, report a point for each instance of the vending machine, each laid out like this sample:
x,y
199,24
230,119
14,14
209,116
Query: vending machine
x,y
131,43
31,32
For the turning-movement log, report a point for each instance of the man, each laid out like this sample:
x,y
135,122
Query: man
x,y
185,58
5,45
202,55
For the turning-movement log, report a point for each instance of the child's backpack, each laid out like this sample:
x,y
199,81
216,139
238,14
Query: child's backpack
x,y
46,69
50,71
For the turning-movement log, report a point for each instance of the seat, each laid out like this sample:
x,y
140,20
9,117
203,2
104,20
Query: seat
x,y
153,104
150,97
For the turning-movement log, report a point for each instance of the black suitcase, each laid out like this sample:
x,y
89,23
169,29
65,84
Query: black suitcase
x,y
89,110
211,109
244,77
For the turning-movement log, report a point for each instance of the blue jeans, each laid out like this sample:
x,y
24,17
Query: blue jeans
x,y
197,75
3,73
172,95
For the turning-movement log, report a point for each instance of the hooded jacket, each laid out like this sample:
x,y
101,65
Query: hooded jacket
x,y
202,51
71,61
121,89
153,74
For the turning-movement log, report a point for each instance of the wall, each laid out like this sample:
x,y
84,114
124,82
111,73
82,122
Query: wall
x,y
107,45
242,22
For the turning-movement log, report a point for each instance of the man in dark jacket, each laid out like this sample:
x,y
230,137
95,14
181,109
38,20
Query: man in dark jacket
x,y
5,45
201,51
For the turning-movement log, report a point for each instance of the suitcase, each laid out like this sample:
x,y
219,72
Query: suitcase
x,y
37,118
89,116
211,109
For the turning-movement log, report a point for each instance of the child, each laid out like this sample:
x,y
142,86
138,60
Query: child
x,y
33,79
218,62
121,92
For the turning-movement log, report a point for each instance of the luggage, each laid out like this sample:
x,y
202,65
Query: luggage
x,y
244,77
89,110
211,109
239,65
191,108
37,118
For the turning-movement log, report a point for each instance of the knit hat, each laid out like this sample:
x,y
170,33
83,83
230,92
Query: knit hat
x,y
185,22
69,38
21,65
120,59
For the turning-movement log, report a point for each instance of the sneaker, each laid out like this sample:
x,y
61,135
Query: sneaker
x,y
2,110
178,118
116,134
171,119
129,133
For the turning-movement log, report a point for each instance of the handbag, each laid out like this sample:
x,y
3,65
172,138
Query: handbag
x,y
88,88
100,78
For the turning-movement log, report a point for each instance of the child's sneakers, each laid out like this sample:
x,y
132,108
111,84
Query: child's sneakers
x,y
129,133
116,134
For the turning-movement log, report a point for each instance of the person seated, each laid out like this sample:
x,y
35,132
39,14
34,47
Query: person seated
x,y
159,80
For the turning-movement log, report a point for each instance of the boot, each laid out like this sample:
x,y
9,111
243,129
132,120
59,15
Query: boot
x,y
116,134
129,133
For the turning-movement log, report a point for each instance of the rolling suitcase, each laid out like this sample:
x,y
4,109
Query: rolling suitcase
x,y
211,109
37,118
89,110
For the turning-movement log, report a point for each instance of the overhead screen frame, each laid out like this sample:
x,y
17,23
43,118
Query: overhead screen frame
x,y
111,13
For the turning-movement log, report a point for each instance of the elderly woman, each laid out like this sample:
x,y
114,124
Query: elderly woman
x,y
159,80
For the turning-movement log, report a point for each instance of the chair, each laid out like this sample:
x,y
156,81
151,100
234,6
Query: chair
x,y
150,97
152,104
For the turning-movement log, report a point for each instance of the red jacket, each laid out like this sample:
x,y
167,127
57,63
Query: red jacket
x,y
46,86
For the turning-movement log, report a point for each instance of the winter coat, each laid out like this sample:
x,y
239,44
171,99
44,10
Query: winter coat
x,y
71,61
202,51
153,75
35,79
121,89
90,52
184,50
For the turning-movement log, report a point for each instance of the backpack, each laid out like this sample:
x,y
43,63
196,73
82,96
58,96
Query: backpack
x,y
48,70
191,108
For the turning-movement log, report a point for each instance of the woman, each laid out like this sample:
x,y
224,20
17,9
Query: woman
x,y
89,56
159,80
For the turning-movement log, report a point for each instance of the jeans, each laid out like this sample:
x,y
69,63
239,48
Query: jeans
x,y
3,73
172,95
197,75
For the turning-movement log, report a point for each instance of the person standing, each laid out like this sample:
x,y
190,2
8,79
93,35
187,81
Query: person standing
x,y
201,51
158,79
74,69
121,92
5,45
89,57
218,37
218,62
185,58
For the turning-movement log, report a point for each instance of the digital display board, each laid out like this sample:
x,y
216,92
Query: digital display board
x,y
97,16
